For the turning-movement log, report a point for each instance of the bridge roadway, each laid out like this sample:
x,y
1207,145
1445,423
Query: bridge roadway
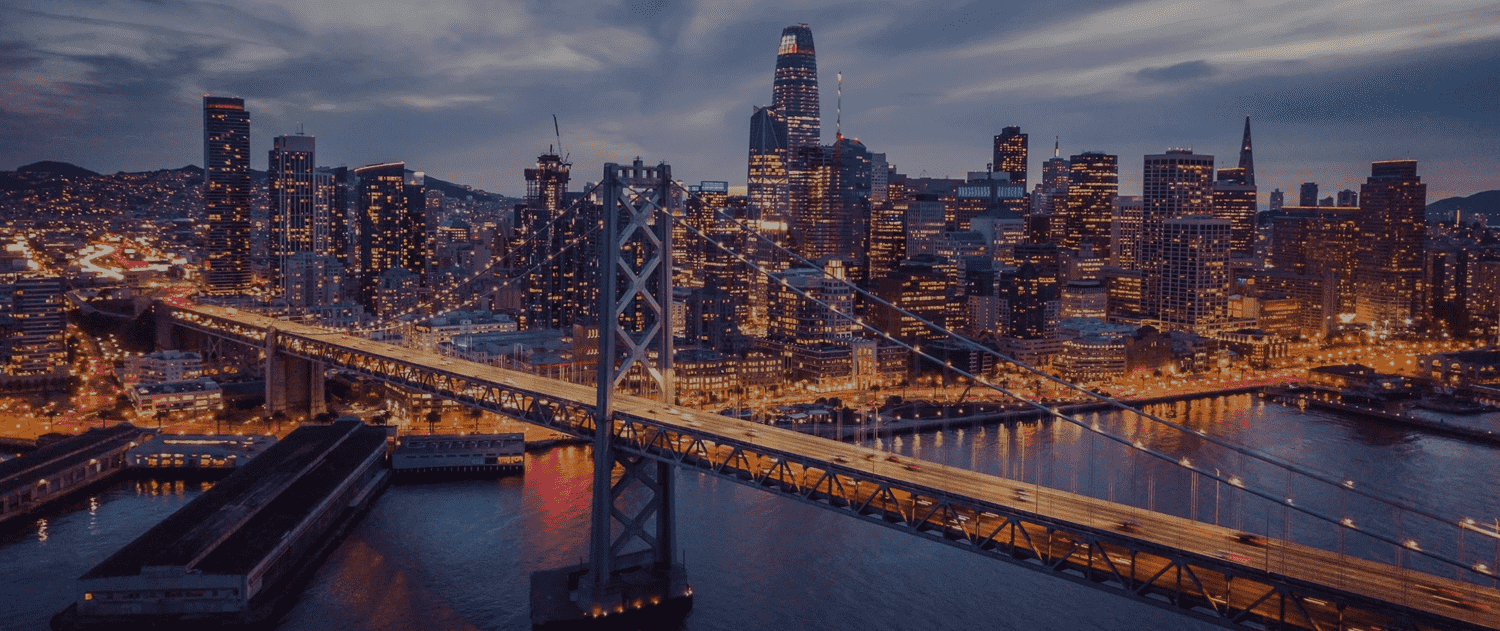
x,y
1198,569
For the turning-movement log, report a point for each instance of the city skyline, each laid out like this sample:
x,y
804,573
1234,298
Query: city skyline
x,y
675,84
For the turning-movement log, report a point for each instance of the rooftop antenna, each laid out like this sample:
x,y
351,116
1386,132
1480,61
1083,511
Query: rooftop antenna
x,y
558,130
838,112
299,129
1055,141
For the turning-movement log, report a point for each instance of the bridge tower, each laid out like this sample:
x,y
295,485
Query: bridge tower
x,y
631,569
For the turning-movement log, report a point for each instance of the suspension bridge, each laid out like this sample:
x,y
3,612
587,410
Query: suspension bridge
x,y
1202,570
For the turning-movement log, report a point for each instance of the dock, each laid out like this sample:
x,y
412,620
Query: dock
x,y
233,555
1322,400
47,474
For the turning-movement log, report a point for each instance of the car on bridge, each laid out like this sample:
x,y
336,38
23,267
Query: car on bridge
x,y
1250,539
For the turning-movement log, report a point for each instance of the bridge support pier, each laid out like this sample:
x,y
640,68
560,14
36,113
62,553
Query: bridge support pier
x,y
294,386
631,579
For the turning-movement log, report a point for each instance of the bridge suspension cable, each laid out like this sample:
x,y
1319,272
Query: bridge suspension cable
x,y
440,299
1340,522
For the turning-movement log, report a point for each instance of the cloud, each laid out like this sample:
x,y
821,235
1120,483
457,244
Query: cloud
x,y
469,86
1184,71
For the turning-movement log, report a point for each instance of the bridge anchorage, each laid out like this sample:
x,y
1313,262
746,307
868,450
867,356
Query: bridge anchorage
x,y
631,575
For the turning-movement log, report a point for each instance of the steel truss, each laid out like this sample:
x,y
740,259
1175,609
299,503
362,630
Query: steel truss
x,y
1225,591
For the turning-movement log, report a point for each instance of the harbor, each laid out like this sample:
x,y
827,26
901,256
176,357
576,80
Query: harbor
x,y
233,556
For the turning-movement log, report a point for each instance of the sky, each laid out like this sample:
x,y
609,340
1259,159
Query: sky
x,y
465,90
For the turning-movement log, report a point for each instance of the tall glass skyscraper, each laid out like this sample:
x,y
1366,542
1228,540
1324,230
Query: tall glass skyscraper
x,y
295,225
767,179
796,87
226,195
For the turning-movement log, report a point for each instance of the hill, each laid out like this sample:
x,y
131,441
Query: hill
x,y
459,191
57,169
1486,203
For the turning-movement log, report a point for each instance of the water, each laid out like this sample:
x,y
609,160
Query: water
x,y
458,555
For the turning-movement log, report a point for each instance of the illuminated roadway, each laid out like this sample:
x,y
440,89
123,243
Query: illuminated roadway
x,y
1199,569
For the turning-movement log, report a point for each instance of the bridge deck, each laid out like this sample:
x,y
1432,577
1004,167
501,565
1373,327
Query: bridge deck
x,y
1065,530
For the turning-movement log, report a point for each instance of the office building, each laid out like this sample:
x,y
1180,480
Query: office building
x,y
1194,284
925,220
227,192
1093,184
796,87
1234,199
1393,204
767,181
1177,183
1309,194
1010,155
294,204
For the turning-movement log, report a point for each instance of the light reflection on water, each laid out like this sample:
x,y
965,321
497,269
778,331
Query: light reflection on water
x,y
458,555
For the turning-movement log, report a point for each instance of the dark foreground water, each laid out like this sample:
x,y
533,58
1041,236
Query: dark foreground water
x,y
459,555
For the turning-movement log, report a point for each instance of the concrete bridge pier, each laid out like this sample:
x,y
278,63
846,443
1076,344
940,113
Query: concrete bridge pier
x,y
294,386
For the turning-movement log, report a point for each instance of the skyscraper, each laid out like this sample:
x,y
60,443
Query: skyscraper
x,y
391,234
226,195
796,87
767,184
1175,184
295,225
1393,204
1309,194
1235,199
1094,182
1010,154
559,290
1194,281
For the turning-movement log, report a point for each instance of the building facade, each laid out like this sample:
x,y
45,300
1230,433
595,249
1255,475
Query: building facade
x,y
227,193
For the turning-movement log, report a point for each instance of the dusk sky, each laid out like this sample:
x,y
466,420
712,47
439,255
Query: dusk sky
x,y
465,90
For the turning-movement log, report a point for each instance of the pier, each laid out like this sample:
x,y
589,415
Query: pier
x,y
47,474
232,556
1323,400
445,456
893,427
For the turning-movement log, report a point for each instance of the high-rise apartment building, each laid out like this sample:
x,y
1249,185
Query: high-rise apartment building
x,y
294,219
1194,281
796,87
226,195
1094,182
1347,199
1393,204
1010,155
341,188
1277,201
1234,199
1177,183
392,208
34,353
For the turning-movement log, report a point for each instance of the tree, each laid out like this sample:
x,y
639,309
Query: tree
x,y
433,418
